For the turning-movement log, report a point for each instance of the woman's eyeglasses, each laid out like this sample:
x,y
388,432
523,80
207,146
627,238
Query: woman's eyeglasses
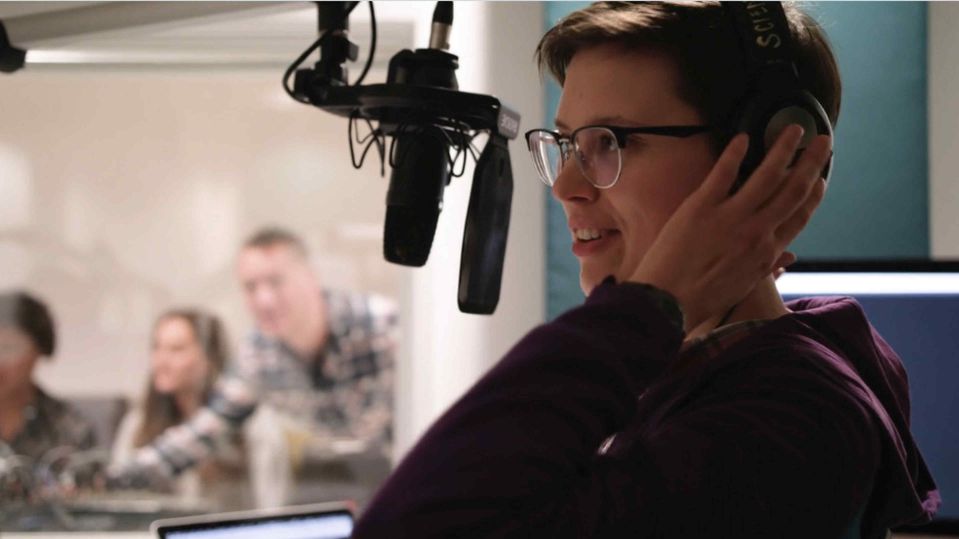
x,y
598,149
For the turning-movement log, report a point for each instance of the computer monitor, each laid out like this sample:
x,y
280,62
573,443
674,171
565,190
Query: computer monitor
x,y
315,521
915,307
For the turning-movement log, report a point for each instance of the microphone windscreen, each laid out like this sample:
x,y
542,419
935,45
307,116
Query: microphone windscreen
x,y
486,230
421,171
408,234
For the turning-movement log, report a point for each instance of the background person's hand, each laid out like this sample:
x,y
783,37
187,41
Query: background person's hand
x,y
715,248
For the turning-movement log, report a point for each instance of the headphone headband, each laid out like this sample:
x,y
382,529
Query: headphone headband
x,y
774,96
765,39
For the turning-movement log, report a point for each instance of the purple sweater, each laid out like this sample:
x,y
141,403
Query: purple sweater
x,y
799,429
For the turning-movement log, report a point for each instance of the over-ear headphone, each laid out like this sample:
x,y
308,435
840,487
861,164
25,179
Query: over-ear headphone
x,y
775,97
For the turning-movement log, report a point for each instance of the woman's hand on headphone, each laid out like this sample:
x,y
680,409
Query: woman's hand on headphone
x,y
715,248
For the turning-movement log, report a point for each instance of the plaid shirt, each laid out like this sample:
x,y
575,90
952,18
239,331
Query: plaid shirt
x,y
345,392
711,345
50,423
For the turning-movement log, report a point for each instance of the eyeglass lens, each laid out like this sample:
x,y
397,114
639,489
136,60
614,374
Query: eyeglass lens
x,y
547,156
596,151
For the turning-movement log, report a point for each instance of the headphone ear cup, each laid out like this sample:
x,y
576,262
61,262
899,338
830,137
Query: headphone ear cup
x,y
765,117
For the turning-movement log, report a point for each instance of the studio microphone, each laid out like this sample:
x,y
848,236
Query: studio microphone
x,y
420,152
431,125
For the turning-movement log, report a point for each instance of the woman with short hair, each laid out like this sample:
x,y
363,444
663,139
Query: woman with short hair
x,y
684,398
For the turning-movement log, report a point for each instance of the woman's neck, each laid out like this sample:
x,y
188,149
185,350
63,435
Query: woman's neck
x,y
11,410
763,303
187,403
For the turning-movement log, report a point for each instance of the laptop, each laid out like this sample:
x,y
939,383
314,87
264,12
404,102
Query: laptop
x,y
332,520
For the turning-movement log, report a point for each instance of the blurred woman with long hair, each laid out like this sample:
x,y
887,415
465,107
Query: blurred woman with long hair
x,y
189,350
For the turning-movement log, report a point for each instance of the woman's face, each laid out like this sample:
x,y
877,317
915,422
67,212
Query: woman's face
x,y
607,86
178,362
18,357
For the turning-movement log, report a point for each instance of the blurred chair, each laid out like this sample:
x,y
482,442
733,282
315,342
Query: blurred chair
x,y
104,413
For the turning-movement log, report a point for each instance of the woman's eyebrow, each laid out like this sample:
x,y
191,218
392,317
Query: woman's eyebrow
x,y
615,119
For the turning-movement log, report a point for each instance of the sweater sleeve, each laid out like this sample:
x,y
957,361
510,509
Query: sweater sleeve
x,y
527,431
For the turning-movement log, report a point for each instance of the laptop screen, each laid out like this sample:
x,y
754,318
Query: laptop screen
x,y
304,522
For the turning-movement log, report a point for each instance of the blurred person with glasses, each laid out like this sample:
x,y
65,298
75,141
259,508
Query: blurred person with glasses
x,y
684,398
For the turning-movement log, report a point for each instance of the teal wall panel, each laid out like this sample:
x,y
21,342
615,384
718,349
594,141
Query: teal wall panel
x,y
562,269
877,203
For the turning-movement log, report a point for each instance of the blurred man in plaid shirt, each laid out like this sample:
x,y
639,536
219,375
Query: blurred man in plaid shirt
x,y
319,357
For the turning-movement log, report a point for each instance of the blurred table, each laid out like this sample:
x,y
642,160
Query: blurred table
x,y
76,535
117,514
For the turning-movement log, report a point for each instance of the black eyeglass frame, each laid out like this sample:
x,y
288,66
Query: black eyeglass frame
x,y
622,135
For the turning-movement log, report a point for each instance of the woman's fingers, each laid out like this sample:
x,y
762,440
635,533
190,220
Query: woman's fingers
x,y
786,232
765,181
715,247
802,177
724,173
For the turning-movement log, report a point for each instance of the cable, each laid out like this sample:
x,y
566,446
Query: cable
x,y
299,60
369,59
374,137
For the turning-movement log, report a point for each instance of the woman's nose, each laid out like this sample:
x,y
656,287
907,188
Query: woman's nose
x,y
572,186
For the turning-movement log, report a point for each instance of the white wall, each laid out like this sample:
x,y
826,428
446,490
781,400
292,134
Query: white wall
x,y
944,129
447,350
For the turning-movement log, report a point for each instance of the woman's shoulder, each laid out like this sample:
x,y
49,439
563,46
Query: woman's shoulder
x,y
778,365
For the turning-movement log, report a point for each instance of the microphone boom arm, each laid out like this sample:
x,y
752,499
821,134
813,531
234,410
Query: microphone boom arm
x,y
388,103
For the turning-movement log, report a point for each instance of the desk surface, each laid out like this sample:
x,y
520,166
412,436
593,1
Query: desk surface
x,y
146,535
76,535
